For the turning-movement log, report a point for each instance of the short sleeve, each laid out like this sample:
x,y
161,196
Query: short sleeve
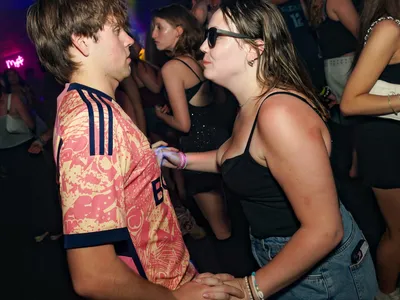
x,y
91,190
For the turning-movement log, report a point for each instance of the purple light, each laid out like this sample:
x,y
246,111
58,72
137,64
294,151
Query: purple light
x,y
15,63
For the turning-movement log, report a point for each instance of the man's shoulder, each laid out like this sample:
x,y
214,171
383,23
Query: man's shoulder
x,y
72,109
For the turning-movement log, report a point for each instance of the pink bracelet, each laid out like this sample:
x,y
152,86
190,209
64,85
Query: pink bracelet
x,y
183,161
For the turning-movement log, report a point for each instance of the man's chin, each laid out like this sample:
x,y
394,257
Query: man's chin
x,y
126,73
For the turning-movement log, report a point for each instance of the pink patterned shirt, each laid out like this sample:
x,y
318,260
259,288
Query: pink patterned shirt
x,y
111,188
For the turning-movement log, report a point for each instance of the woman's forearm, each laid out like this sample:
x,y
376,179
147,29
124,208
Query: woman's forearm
x,y
174,123
304,250
202,161
368,104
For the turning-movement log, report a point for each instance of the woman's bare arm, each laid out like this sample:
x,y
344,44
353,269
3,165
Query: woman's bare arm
x,y
180,120
346,13
298,158
150,77
377,54
130,87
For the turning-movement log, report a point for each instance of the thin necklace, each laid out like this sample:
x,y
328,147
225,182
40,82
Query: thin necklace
x,y
247,101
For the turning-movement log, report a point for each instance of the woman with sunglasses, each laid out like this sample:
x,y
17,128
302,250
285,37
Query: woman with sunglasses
x,y
277,161
194,114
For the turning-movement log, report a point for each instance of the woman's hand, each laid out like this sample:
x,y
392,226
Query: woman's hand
x,y
195,291
165,154
161,110
223,279
213,279
36,147
170,158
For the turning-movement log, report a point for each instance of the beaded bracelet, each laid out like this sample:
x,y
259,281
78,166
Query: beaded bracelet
x,y
248,288
259,293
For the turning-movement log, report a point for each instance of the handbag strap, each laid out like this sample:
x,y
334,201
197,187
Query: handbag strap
x,y
376,22
8,103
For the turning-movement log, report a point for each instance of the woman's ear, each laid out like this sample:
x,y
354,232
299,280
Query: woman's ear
x,y
179,30
255,52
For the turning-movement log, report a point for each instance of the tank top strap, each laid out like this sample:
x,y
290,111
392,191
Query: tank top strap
x,y
397,21
258,111
187,65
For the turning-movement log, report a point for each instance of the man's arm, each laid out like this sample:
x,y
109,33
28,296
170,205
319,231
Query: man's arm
x,y
98,273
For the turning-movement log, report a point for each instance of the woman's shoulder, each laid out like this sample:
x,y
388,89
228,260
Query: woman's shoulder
x,y
385,26
181,63
283,105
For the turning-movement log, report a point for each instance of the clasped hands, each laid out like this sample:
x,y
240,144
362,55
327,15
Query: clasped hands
x,y
217,287
166,156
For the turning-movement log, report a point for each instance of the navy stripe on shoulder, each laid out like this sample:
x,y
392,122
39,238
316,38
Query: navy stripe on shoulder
x,y
92,239
101,123
78,86
91,122
110,126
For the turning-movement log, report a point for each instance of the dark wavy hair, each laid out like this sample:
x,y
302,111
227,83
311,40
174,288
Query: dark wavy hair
x,y
372,11
278,65
316,12
193,35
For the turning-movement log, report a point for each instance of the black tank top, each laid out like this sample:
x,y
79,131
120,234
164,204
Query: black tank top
x,y
191,92
334,38
264,203
391,74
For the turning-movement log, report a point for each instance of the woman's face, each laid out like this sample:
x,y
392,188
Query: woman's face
x,y
227,58
12,77
165,35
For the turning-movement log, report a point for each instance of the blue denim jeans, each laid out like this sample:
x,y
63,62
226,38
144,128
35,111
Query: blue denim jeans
x,y
336,277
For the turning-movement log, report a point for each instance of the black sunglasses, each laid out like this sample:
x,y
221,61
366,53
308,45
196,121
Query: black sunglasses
x,y
213,33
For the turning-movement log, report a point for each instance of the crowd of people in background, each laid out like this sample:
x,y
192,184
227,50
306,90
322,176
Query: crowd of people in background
x,y
288,108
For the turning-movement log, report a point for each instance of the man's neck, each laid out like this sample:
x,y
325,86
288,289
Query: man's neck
x,y
101,83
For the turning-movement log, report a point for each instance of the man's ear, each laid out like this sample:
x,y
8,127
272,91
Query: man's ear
x,y
253,55
81,44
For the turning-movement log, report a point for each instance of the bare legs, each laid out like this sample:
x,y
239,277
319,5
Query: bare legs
x,y
212,206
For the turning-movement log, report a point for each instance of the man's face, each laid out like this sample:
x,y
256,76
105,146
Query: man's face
x,y
111,52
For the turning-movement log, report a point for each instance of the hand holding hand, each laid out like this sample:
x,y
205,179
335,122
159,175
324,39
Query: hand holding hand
x,y
196,291
162,151
228,280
